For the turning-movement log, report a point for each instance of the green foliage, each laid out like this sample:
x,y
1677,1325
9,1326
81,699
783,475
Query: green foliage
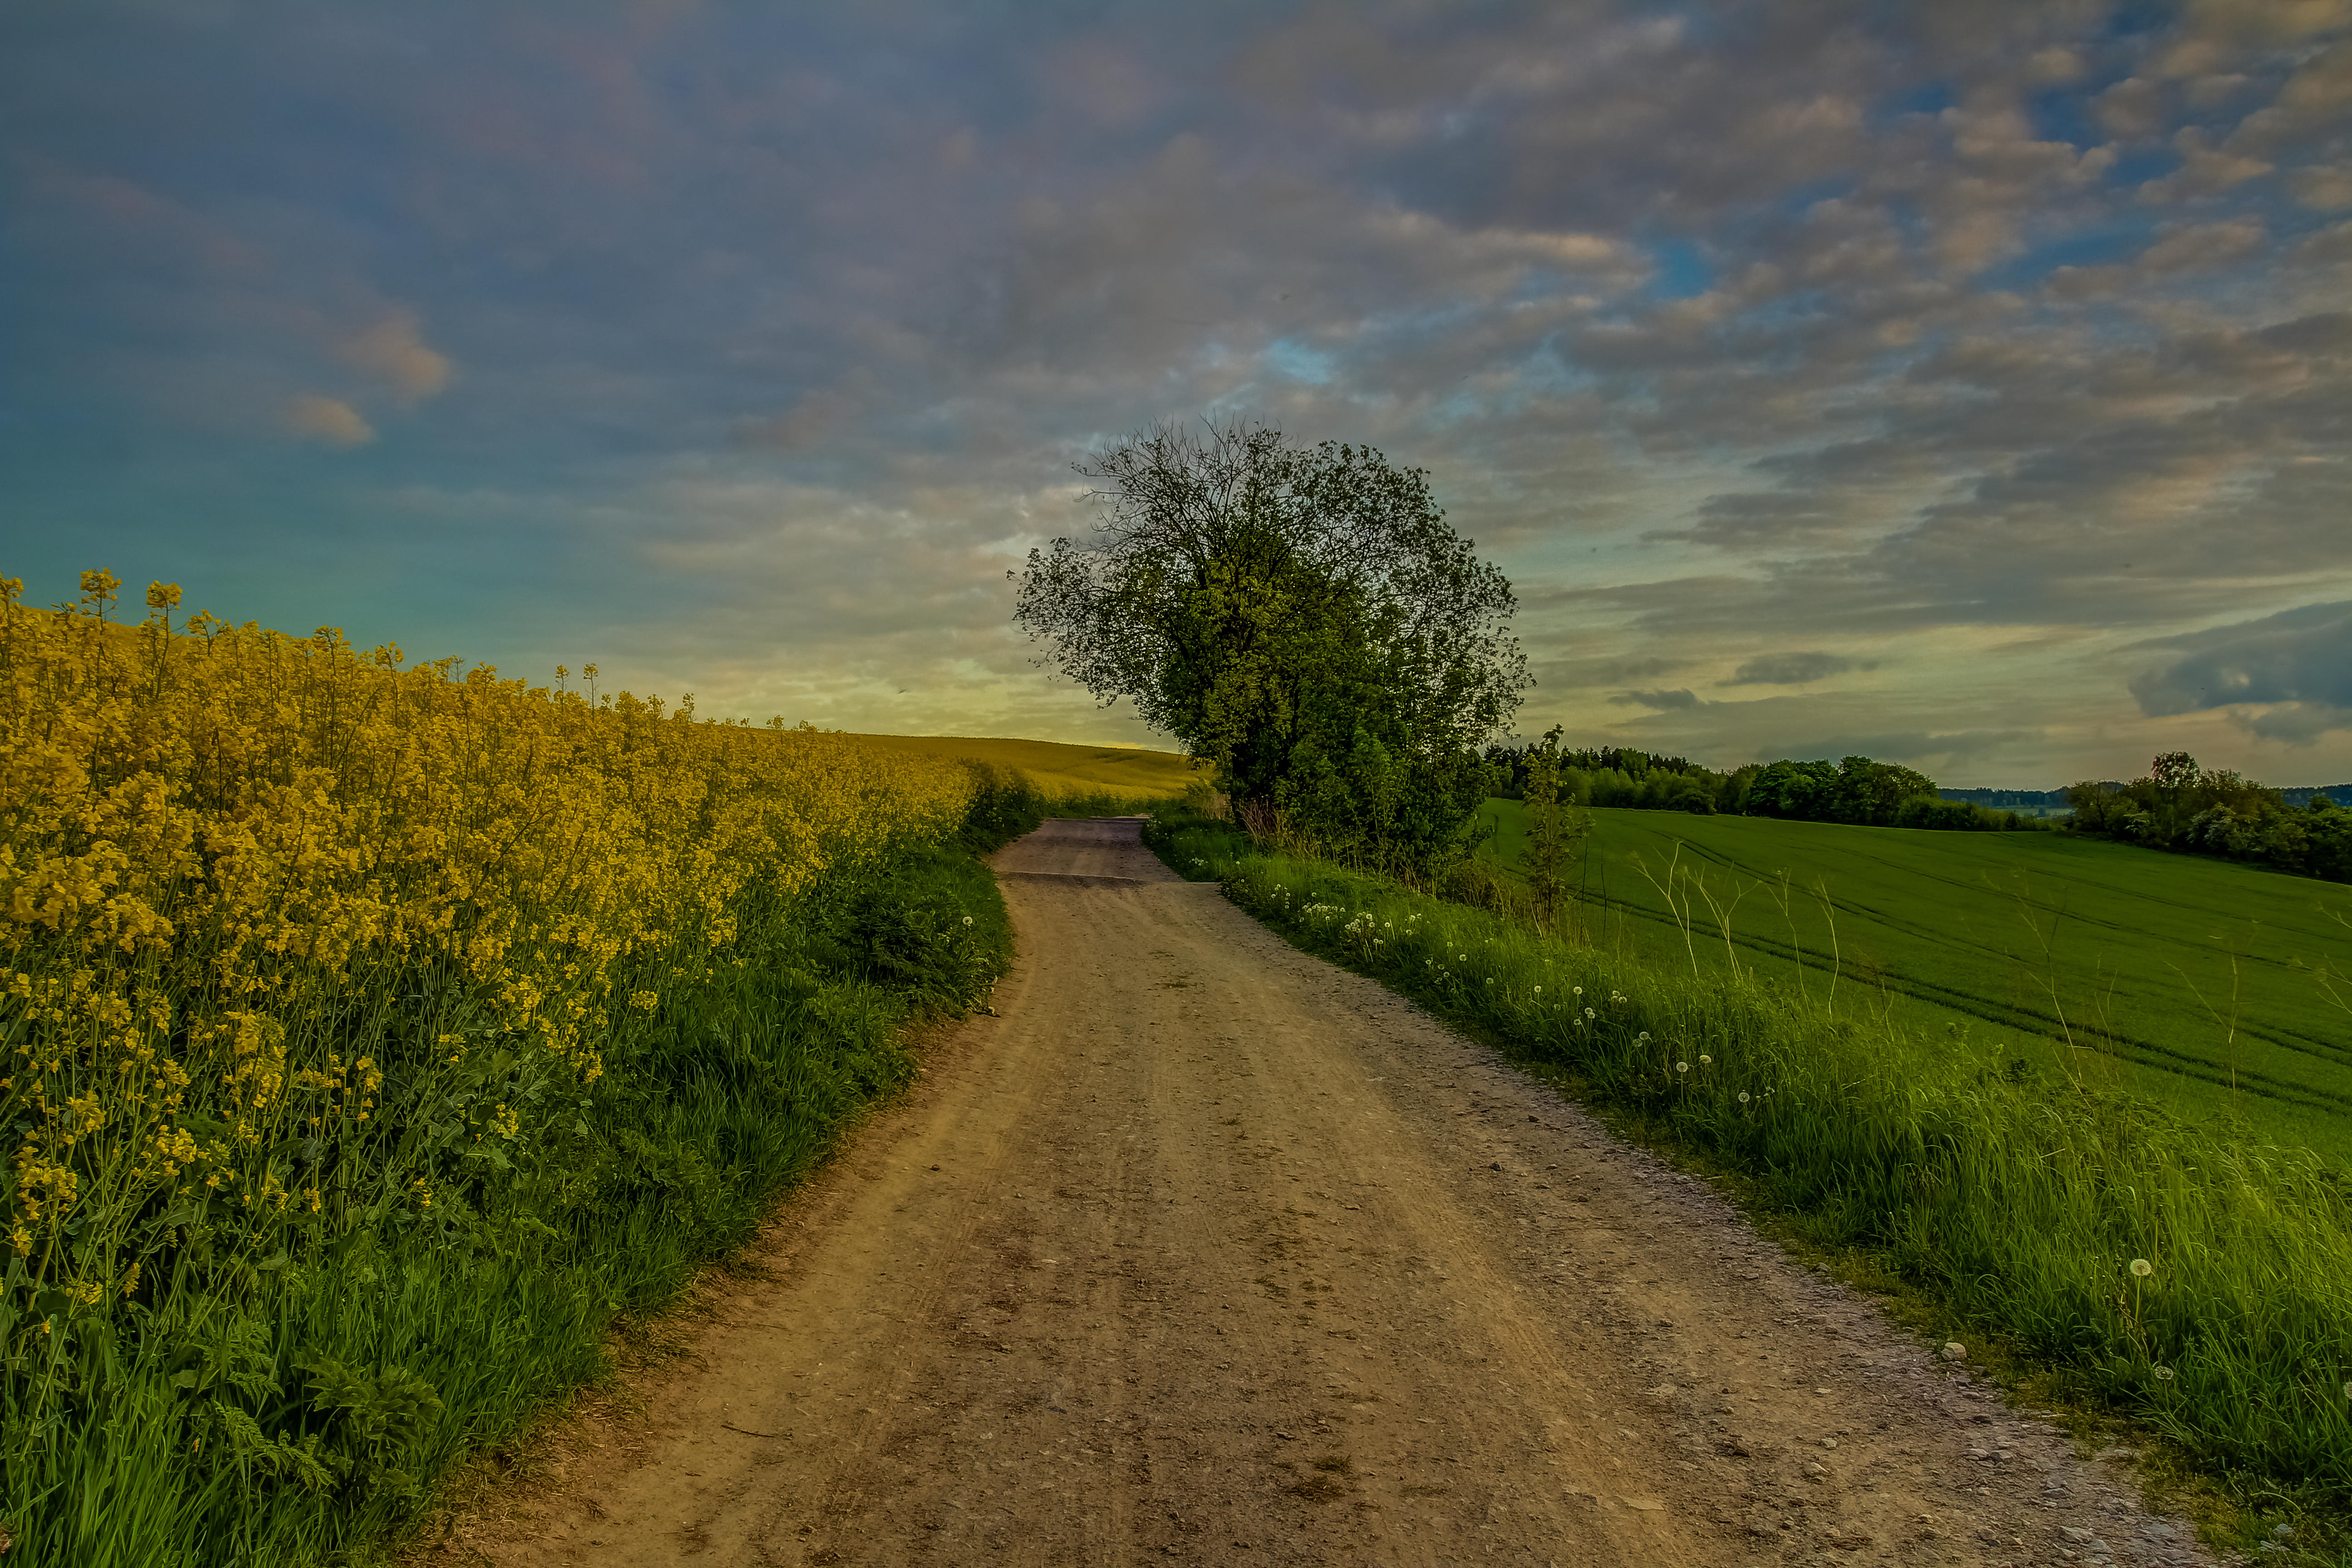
x,y
1631,767
1004,806
1857,790
291,1407
1302,619
2179,807
1555,832
2017,1202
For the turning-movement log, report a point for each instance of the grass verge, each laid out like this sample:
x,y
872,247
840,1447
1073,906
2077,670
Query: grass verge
x,y
301,1408
2128,1265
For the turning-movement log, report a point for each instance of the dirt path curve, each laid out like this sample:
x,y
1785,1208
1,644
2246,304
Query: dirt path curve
x,y
1204,1250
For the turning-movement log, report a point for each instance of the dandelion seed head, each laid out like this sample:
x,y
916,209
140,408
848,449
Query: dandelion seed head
x,y
1681,1067
2141,1267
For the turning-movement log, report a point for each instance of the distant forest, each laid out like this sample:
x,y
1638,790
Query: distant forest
x,y
2179,806
2039,800
1856,790
2055,799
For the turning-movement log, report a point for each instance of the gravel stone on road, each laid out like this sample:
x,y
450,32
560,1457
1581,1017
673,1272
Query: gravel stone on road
x,y
1204,1250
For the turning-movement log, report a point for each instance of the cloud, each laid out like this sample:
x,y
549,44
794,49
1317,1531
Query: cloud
x,y
327,419
2132,108
1738,328
1921,747
816,416
1780,519
2299,660
2324,187
1788,670
1104,80
2181,250
1605,671
394,353
2296,723
1663,701
2205,169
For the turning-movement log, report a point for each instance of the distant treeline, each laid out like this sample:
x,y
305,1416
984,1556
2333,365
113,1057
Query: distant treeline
x,y
1856,790
2180,806
2047,800
2177,806
2036,800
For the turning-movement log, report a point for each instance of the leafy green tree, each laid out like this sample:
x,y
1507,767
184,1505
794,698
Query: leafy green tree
x,y
1691,793
1556,829
2327,840
1301,618
2181,806
1872,793
1791,789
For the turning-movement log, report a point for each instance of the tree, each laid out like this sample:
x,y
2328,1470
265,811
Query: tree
x,y
1301,618
1556,830
1791,789
1871,792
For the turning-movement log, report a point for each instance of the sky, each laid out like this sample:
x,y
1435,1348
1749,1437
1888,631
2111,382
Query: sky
x,y
1963,385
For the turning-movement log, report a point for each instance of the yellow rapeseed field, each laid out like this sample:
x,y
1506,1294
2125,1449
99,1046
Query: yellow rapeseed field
x,y
227,855
1058,768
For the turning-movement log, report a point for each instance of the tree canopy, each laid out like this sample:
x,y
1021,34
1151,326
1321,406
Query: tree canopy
x,y
2179,806
1301,618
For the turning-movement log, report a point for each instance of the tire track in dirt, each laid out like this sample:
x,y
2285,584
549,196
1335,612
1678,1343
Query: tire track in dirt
x,y
1204,1250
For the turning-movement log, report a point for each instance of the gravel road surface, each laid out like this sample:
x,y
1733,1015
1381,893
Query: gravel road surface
x,y
1203,1251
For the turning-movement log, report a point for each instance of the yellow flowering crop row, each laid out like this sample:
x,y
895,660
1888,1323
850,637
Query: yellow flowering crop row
x,y
226,855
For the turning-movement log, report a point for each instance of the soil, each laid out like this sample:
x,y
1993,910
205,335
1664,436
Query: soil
x,y
1203,1251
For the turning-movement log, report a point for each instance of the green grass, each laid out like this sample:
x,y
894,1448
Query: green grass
x,y
300,1409
2014,1207
2199,983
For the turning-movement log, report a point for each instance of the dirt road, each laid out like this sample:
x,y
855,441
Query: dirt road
x,y
1203,1251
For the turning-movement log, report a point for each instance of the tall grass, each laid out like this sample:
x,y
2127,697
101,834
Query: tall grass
x,y
2201,1285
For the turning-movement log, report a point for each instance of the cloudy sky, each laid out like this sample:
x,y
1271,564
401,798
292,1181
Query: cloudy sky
x,y
1964,383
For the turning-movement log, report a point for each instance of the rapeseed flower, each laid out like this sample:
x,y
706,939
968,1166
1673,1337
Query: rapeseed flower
x,y
225,839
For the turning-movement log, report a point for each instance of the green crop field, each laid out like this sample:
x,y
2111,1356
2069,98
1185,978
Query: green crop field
x,y
2217,989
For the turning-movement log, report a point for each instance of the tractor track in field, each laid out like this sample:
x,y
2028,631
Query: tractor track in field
x,y
1203,1250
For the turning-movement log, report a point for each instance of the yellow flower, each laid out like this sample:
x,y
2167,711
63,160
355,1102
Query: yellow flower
x,y
293,829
